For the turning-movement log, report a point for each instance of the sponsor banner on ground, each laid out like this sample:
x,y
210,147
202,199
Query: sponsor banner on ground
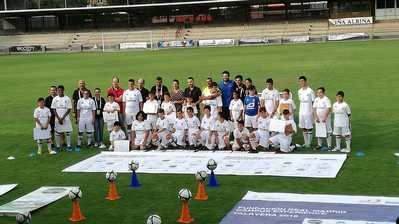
x,y
351,21
177,43
236,163
298,39
34,200
346,36
135,45
284,208
218,42
244,41
26,49
6,188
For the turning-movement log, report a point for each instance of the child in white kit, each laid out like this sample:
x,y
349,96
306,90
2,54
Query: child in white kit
x,y
221,132
180,128
287,103
342,126
261,136
193,128
42,131
150,108
169,109
189,103
161,133
116,134
322,114
110,112
241,137
140,132
283,140
236,108
207,122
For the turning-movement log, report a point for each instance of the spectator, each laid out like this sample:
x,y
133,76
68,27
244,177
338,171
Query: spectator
x,y
177,96
98,119
116,91
240,87
227,88
248,85
78,94
144,92
193,92
207,92
47,103
159,90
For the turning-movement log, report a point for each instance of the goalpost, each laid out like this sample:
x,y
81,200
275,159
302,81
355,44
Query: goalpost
x,y
132,40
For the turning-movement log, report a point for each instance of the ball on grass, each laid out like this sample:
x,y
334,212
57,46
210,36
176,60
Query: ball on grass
x,y
212,164
201,175
154,219
133,165
185,194
75,194
23,218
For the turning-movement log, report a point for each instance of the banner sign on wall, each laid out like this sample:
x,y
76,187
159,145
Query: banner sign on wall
x,y
218,42
176,43
347,36
351,21
135,45
26,49
34,200
283,208
244,41
236,163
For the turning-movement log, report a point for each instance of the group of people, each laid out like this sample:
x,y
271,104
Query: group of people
x,y
229,115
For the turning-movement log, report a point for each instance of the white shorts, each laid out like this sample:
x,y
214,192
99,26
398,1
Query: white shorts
x,y
178,137
221,139
65,127
139,140
152,120
250,121
282,140
86,125
262,137
342,131
193,135
306,121
110,125
42,134
129,118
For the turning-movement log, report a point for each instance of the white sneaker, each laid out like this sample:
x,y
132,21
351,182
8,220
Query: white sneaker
x,y
159,147
346,150
95,145
52,152
110,148
102,146
336,149
173,144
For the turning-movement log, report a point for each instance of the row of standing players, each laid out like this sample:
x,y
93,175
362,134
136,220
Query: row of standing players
x,y
159,124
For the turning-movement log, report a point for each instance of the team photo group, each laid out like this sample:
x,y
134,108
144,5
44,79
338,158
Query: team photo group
x,y
228,115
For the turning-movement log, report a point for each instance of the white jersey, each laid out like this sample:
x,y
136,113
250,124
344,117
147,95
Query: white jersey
x,y
306,98
132,98
287,104
263,123
222,127
193,123
114,106
185,106
236,107
162,124
239,134
180,125
151,107
270,97
207,123
214,104
341,112
169,108
140,127
292,123
61,105
322,106
117,135
86,108
43,115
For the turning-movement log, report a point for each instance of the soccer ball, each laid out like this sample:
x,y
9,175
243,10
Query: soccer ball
x,y
75,194
185,194
154,219
201,175
212,164
133,165
23,218
111,176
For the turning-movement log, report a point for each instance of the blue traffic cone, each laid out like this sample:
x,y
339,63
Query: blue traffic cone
x,y
135,182
212,180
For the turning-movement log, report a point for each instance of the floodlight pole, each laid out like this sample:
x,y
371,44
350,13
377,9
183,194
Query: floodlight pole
x,y
5,4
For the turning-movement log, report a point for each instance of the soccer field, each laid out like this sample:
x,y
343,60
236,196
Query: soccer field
x,y
367,71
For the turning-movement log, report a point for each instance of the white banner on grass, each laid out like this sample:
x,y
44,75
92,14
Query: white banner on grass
x,y
6,188
135,45
218,42
346,36
236,163
34,200
352,21
333,221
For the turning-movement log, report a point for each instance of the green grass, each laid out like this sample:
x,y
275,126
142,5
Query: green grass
x,y
366,71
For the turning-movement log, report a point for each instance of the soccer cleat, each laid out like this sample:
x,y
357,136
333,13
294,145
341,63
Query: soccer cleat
x,y
57,149
77,148
173,144
69,149
319,147
110,148
336,149
51,152
102,146
39,151
346,150
95,145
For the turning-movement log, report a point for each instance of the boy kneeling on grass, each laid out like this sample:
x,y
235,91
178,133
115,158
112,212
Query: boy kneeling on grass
x,y
116,134
283,140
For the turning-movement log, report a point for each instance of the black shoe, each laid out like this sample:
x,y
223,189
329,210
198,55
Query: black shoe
x,y
253,151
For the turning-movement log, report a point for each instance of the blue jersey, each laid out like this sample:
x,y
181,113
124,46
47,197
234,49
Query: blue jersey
x,y
251,105
227,90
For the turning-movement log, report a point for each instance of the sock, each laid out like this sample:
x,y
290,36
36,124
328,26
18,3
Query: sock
x,y
39,145
49,145
89,138
348,142
68,139
319,142
129,134
329,140
80,138
338,142
58,140
305,137
310,136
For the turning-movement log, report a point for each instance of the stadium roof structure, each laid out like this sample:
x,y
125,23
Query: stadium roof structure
x,y
114,8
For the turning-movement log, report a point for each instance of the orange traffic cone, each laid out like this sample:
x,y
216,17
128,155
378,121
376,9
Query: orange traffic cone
x,y
77,215
112,192
185,216
201,193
